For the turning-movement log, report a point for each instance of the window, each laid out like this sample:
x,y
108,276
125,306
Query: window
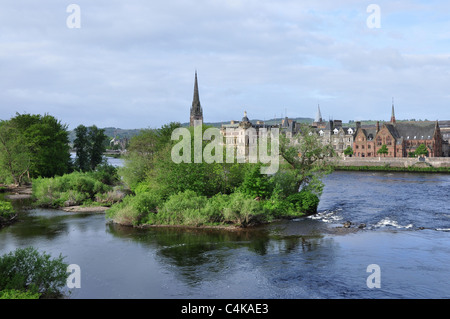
x,y
368,146
388,140
379,141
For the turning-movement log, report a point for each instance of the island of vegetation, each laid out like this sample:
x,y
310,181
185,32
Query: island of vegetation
x,y
217,194
151,189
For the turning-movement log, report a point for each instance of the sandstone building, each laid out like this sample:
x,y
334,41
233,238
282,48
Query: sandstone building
x,y
401,139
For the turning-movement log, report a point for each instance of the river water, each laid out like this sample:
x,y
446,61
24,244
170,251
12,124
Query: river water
x,y
406,234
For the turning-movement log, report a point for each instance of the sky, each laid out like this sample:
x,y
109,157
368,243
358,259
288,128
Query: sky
x,y
131,64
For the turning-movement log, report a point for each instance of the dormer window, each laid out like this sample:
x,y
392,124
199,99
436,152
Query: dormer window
x,y
335,131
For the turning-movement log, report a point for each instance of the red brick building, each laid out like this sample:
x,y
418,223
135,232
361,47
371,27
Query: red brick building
x,y
400,139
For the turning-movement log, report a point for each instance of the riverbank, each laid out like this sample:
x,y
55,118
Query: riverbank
x,y
386,168
421,165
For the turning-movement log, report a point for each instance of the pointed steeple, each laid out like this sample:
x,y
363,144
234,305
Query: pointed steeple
x,y
393,113
196,108
318,115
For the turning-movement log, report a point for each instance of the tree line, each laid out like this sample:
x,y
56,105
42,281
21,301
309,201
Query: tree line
x,y
34,145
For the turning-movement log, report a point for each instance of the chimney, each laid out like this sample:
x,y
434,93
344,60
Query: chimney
x,y
358,125
378,126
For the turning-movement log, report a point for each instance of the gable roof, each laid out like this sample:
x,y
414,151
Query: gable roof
x,y
417,130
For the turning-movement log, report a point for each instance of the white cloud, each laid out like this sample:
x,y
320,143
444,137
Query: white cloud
x,y
132,63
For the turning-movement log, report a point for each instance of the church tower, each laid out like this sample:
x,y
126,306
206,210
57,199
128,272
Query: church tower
x,y
196,108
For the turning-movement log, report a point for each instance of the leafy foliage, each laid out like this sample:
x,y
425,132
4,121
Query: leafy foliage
x,y
6,210
17,294
383,150
421,150
348,151
76,187
28,270
90,145
169,193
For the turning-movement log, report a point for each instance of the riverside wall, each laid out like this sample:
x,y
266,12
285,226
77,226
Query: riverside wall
x,y
394,162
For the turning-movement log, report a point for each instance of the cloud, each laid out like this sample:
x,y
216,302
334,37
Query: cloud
x,y
132,63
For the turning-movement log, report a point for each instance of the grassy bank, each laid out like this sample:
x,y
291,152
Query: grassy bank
x,y
387,168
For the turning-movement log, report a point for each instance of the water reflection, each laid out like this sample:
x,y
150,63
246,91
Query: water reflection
x,y
199,255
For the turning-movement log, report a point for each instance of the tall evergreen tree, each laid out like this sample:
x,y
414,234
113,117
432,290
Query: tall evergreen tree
x,y
90,145
81,145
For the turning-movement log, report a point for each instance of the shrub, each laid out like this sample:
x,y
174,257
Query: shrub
x,y
106,174
183,208
256,184
133,210
242,210
6,210
28,270
17,294
77,187
305,202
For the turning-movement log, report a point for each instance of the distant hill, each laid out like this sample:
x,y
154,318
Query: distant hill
x,y
129,133
268,122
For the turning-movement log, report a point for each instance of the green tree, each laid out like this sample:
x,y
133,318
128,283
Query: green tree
x,y
15,156
90,145
141,152
256,184
383,150
28,270
421,150
81,146
348,151
97,147
307,158
34,145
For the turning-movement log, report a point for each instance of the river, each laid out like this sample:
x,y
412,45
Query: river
x,y
406,234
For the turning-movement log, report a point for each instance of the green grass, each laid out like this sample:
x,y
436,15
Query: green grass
x,y
387,168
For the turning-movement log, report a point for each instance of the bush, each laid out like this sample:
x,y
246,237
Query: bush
x,y
183,208
28,270
76,187
242,210
106,174
133,210
6,210
17,294
256,184
305,202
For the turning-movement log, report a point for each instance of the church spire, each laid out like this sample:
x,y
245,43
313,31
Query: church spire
x,y
393,113
196,108
318,115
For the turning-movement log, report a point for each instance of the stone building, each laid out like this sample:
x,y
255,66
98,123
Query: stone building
x,y
445,131
241,134
338,136
400,138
